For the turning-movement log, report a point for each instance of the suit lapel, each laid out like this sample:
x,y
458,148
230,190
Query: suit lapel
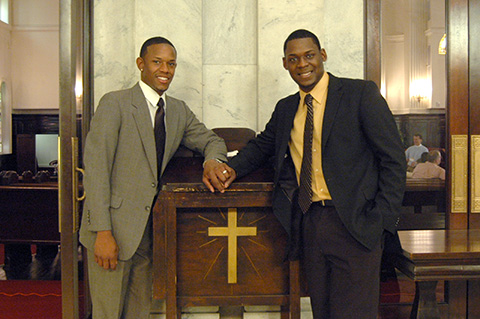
x,y
334,96
143,121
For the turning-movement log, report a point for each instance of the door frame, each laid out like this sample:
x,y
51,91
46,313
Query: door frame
x,y
75,104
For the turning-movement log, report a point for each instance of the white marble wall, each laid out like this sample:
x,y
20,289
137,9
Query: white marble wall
x,y
229,52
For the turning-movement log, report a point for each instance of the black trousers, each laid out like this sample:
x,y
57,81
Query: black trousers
x,y
343,276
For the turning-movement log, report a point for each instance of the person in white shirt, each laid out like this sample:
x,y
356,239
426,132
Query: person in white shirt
x,y
414,152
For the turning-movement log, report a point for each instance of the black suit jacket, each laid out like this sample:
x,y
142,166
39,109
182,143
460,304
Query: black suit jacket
x,y
362,157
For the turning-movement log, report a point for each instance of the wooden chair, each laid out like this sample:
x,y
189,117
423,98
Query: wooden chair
x,y
236,138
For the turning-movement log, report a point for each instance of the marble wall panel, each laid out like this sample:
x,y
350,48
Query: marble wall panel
x,y
119,36
238,35
114,46
230,58
180,21
230,32
229,100
276,20
343,37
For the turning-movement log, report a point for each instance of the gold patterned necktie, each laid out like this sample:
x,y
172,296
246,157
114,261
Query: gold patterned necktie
x,y
305,191
159,132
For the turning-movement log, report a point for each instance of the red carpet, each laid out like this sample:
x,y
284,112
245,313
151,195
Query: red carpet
x,y
31,299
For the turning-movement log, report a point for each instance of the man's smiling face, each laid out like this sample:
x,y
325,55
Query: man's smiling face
x,y
304,60
158,66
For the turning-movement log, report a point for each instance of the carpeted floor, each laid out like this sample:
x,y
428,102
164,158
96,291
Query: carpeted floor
x,y
31,299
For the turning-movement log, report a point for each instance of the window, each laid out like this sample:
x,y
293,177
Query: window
x,y
4,11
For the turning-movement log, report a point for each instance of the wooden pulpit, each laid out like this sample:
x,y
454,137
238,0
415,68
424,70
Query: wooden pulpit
x,y
213,249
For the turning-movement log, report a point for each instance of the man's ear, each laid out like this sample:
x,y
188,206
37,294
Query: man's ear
x,y
140,63
285,63
323,53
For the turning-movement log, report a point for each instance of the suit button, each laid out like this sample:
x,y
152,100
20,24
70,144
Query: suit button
x,y
154,185
147,208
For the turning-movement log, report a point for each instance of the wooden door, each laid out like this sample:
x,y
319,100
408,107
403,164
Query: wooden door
x,y
74,104
462,127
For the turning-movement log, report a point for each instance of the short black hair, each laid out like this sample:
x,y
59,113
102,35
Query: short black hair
x,y
301,34
418,135
152,41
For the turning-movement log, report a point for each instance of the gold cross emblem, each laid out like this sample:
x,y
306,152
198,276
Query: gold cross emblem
x,y
232,232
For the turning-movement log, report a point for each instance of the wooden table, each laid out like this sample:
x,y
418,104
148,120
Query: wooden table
x,y
424,192
433,255
29,213
220,249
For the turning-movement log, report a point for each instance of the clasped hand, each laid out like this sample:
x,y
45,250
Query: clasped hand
x,y
218,175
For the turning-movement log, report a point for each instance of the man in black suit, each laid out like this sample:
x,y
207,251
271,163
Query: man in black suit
x,y
353,180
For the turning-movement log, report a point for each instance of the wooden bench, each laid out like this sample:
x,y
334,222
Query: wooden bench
x,y
430,256
29,213
424,192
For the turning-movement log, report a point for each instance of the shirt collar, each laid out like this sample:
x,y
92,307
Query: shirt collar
x,y
150,94
318,91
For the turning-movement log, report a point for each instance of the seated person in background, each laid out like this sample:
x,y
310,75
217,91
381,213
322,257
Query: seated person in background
x,y
414,152
430,168
423,158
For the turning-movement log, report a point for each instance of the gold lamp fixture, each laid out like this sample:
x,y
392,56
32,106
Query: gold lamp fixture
x,y
442,45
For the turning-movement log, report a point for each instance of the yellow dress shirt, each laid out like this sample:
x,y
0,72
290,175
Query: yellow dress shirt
x,y
319,94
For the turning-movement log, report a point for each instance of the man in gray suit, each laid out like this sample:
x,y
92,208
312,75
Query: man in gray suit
x,y
122,178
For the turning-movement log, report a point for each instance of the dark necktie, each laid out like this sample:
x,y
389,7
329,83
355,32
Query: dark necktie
x,y
159,131
305,190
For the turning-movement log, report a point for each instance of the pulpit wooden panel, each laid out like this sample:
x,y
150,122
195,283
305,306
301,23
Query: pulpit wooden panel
x,y
207,265
220,249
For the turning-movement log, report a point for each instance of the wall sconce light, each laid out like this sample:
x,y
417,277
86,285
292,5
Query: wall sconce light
x,y
419,98
420,89
442,45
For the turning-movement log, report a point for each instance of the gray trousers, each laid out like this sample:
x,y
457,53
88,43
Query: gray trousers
x,y
126,292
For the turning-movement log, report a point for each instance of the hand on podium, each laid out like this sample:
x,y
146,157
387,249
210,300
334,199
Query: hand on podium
x,y
217,175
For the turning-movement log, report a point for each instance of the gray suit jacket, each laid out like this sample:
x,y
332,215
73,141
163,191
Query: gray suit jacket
x,y
120,163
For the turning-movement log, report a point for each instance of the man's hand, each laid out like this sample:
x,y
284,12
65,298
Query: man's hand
x,y
218,175
106,250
